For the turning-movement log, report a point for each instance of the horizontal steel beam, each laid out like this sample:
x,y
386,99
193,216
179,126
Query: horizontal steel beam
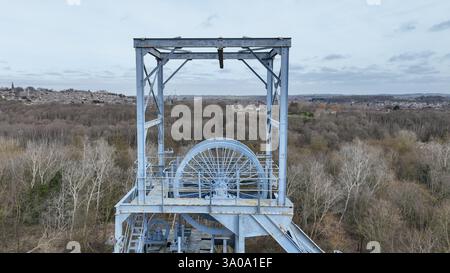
x,y
212,42
214,56
214,209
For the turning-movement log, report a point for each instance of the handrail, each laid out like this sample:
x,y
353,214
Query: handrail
x,y
128,197
245,189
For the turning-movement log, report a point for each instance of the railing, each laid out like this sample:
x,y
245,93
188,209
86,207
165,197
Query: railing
x,y
216,185
238,186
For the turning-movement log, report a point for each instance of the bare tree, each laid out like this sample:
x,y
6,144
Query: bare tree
x,y
437,156
56,217
413,200
441,227
362,171
382,223
43,161
309,183
102,163
16,187
417,241
76,175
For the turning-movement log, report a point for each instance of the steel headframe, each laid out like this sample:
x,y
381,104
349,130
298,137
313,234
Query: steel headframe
x,y
263,50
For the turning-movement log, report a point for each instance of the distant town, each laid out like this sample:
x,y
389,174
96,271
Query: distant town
x,y
32,95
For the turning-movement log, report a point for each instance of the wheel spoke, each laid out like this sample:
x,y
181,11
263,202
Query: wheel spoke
x,y
214,168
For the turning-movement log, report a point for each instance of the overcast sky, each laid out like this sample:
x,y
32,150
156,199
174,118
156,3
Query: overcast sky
x,y
344,46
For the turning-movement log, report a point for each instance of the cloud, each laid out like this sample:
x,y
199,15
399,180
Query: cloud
x,y
441,26
329,70
345,75
33,75
52,74
296,67
334,57
106,74
69,73
407,27
371,78
208,22
411,56
420,69
73,2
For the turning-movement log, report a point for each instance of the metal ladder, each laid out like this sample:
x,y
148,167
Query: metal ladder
x,y
291,238
136,240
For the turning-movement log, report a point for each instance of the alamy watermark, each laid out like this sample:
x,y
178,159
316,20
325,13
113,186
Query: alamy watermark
x,y
232,121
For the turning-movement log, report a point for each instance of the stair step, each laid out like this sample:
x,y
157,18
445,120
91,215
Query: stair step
x,y
135,235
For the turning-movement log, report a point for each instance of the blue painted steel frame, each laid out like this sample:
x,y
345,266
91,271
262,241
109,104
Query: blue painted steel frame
x,y
158,48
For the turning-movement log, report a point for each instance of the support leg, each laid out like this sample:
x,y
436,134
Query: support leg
x,y
225,247
161,116
212,244
118,232
140,116
269,126
283,126
239,243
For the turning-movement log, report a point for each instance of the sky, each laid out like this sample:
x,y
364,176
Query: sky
x,y
338,47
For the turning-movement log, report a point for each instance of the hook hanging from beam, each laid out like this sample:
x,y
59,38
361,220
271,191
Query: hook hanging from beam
x,y
220,53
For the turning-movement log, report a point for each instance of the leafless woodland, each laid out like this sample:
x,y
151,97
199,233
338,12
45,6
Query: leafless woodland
x,y
355,176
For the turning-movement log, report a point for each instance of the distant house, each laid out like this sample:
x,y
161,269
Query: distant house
x,y
15,91
318,100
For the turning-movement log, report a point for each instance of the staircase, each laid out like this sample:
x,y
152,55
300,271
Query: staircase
x,y
136,239
291,238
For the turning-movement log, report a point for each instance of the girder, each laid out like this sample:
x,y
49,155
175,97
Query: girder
x,y
211,42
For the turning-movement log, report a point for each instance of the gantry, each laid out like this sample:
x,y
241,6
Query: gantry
x,y
220,191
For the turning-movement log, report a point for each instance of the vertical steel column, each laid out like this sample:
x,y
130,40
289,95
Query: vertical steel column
x,y
269,123
225,247
239,239
140,116
118,232
283,130
161,162
213,243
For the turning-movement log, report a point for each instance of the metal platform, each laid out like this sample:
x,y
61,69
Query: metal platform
x,y
196,205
